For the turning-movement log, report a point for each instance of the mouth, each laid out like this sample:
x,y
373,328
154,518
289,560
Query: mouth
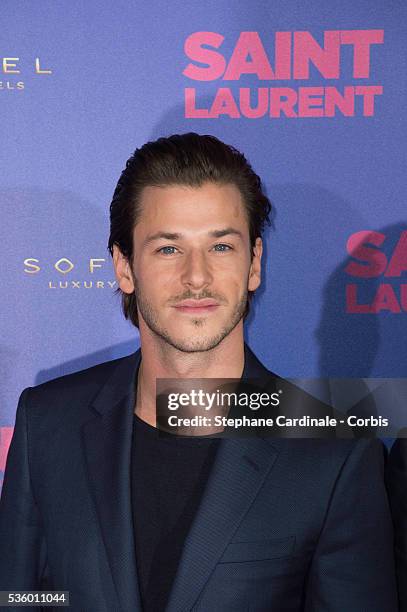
x,y
197,306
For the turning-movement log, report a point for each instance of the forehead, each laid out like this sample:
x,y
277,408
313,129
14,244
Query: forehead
x,y
183,208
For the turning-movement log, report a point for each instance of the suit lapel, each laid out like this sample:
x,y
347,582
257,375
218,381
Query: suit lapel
x,y
107,446
240,468
238,473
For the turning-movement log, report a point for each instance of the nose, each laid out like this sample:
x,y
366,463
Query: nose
x,y
196,273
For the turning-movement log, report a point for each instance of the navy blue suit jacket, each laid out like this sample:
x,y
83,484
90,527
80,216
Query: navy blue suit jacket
x,y
284,524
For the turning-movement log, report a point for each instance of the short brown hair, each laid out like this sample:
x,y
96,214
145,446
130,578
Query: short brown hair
x,y
181,159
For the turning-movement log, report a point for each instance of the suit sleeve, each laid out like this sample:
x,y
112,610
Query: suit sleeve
x,y
396,478
22,543
353,565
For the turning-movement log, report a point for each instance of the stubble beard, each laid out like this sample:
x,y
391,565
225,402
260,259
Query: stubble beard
x,y
189,345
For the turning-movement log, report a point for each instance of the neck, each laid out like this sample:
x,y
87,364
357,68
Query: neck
x,y
161,360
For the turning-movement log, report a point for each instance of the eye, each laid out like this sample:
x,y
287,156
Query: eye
x,y
167,250
222,247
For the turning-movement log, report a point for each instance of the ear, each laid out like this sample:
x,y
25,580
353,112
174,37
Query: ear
x,y
122,271
255,266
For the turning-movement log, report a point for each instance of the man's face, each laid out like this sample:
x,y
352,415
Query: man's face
x,y
193,264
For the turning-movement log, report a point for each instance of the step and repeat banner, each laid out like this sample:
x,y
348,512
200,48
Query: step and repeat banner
x,y
313,93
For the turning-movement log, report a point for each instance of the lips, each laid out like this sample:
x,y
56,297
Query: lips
x,y
197,306
197,303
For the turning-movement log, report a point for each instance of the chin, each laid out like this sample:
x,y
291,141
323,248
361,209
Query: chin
x,y
193,344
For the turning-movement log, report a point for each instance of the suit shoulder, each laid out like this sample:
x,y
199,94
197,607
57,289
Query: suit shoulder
x,y
76,386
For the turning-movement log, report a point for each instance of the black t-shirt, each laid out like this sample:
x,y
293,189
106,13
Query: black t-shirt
x,y
168,477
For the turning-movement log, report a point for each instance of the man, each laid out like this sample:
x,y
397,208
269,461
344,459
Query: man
x,y
96,502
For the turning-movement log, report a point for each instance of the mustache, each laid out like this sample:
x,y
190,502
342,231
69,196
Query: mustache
x,y
190,295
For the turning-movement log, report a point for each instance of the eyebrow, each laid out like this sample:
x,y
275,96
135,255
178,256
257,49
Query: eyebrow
x,y
176,236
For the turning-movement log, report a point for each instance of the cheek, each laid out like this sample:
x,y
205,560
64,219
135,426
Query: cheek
x,y
236,267
154,280
238,274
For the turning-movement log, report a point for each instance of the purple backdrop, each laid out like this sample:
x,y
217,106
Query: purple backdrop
x,y
118,78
